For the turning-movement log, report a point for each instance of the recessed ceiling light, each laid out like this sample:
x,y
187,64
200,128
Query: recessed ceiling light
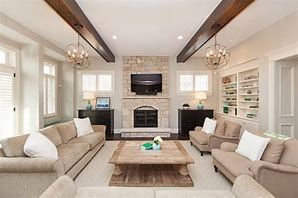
x,y
115,37
179,37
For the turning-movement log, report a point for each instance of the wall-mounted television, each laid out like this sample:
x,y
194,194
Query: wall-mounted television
x,y
146,84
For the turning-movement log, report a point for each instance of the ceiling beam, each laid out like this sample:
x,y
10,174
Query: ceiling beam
x,y
221,16
71,12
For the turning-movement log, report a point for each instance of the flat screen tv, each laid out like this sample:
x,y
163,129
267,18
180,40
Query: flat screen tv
x,y
146,84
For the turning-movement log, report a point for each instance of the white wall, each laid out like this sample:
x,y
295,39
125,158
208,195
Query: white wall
x,y
30,110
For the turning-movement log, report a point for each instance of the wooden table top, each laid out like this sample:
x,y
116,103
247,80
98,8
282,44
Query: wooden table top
x,y
130,152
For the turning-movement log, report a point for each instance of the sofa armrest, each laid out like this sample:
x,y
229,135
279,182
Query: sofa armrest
x,y
246,187
31,165
257,166
281,180
215,140
228,147
198,128
99,128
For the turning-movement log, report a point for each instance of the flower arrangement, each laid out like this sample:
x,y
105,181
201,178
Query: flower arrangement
x,y
157,140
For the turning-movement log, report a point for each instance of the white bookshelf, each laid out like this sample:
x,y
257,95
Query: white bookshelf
x,y
240,97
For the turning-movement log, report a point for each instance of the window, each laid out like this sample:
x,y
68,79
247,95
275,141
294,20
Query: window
x,y
98,81
189,82
7,92
49,89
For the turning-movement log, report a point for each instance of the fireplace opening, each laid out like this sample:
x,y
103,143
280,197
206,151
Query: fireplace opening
x,y
145,117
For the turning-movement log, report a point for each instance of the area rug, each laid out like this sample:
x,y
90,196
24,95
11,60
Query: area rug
x,y
98,172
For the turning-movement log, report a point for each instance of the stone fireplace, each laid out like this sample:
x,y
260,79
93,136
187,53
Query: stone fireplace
x,y
157,106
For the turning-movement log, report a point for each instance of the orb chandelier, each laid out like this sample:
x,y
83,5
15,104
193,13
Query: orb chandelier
x,y
216,56
76,54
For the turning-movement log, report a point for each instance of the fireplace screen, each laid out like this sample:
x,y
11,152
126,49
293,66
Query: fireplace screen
x,y
145,117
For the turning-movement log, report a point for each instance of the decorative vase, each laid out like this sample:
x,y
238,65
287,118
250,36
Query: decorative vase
x,y
156,146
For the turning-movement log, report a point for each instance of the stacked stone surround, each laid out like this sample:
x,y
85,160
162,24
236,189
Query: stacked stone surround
x,y
131,101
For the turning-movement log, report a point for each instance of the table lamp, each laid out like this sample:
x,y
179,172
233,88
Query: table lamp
x,y
201,95
88,96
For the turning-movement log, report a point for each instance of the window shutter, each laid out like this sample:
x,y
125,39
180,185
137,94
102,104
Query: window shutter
x,y
201,83
7,125
88,82
186,82
104,82
51,96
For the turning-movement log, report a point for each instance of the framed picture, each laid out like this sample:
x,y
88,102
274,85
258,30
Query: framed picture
x,y
102,102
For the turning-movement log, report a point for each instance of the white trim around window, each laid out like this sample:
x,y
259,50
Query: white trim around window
x,y
193,81
91,81
49,76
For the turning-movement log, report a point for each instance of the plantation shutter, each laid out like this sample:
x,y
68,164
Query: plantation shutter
x,y
201,83
7,108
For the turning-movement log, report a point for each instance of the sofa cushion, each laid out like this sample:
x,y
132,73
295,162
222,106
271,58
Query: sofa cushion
x,y
235,163
289,155
14,146
92,139
200,137
52,134
70,154
220,127
273,151
232,129
67,131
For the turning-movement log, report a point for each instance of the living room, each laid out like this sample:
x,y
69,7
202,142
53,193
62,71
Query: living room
x,y
148,98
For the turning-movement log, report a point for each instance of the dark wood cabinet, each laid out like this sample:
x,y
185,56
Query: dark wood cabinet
x,y
100,117
189,119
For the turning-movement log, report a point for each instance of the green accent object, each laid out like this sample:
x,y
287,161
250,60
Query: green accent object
x,y
89,105
276,135
147,146
226,109
200,106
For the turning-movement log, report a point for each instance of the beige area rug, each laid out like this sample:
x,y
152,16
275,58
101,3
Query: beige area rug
x,y
98,172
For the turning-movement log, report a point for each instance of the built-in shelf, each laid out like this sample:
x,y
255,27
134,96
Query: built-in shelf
x,y
247,101
252,87
231,83
244,85
249,80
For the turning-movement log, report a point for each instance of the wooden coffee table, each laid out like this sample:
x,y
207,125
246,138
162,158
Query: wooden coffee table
x,y
163,167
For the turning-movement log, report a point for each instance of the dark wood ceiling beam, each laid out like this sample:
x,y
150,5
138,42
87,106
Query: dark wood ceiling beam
x,y
71,12
219,18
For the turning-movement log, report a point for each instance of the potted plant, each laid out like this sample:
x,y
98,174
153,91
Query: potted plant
x,y
156,143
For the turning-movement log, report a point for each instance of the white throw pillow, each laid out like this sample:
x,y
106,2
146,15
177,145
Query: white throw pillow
x,y
209,126
252,146
38,145
83,126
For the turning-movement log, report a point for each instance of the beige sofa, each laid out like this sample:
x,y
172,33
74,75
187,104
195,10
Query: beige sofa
x,y
225,131
64,187
22,176
277,170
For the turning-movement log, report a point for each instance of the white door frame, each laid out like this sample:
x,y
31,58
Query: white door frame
x,y
273,56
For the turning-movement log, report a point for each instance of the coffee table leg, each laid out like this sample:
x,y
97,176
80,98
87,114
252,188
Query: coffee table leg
x,y
117,170
183,169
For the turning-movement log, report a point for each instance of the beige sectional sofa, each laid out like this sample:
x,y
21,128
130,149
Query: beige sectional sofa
x,y
22,176
277,170
225,131
64,187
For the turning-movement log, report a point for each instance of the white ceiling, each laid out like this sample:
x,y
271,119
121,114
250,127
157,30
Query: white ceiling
x,y
144,27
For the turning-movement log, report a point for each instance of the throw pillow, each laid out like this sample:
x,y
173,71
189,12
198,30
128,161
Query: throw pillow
x,y
220,127
273,151
209,126
252,146
38,145
83,126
